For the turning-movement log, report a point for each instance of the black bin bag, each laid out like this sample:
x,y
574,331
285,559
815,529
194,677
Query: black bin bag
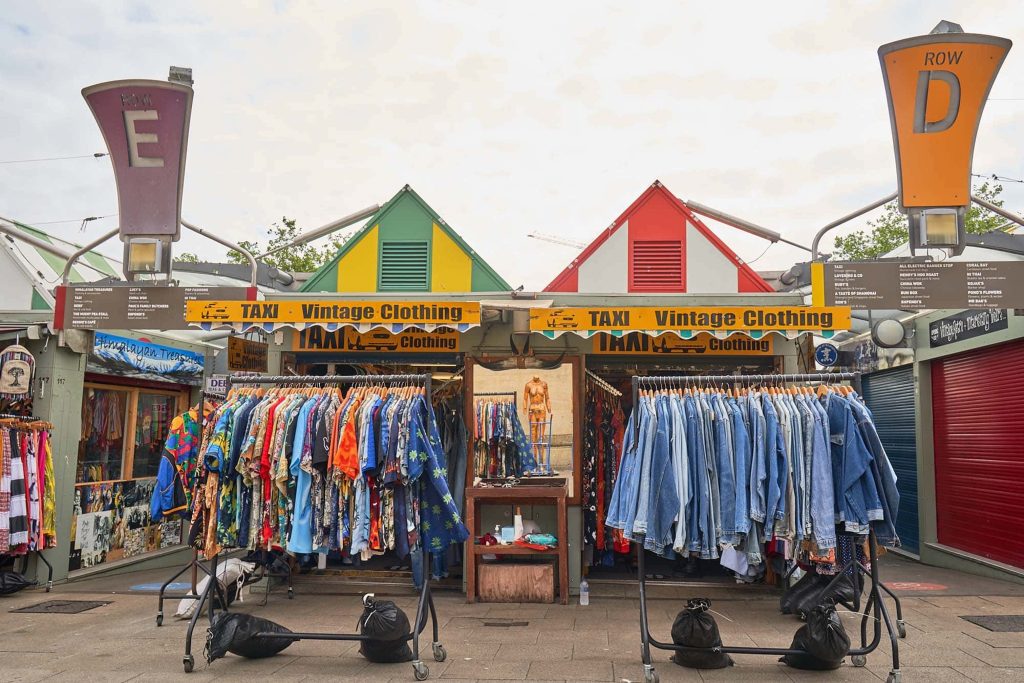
x,y
388,629
695,627
823,638
11,582
235,632
808,583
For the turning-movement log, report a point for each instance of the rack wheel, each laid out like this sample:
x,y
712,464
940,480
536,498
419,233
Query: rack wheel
x,y
901,628
291,592
189,663
895,676
651,676
160,619
49,585
859,660
440,654
420,670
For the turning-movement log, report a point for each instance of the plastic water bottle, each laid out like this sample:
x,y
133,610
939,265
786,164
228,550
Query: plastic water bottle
x,y
584,593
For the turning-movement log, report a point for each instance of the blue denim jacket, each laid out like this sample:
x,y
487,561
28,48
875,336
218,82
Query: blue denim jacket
x,y
741,459
758,460
778,477
624,494
681,469
663,501
883,475
726,476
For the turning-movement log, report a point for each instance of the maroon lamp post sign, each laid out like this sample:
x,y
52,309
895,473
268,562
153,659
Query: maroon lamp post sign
x,y
145,125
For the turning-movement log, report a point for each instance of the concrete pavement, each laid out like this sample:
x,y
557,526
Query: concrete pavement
x,y
120,641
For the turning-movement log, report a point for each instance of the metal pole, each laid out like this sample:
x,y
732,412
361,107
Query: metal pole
x,y
997,209
848,217
66,278
230,245
741,224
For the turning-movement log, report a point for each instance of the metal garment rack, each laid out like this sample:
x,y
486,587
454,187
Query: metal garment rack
x,y
513,394
39,553
859,655
425,604
603,384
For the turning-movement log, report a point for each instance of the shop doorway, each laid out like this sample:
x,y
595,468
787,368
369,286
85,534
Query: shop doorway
x,y
608,403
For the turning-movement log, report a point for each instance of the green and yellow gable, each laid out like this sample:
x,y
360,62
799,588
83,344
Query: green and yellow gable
x,y
406,247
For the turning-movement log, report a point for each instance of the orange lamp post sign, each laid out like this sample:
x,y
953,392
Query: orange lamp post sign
x,y
937,86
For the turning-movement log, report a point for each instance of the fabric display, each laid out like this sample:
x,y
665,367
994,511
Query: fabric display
x,y
602,447
28,507
755,475
453,458
318,469
177,475
103,425
502,448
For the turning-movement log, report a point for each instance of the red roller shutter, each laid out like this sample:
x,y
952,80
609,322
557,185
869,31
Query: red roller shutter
x,y
977,400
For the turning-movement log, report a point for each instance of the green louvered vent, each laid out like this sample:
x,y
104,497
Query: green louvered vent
x,y
404,267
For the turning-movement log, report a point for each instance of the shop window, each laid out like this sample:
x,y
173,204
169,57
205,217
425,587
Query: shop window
x,y
101,448
404,267
657,266
153,415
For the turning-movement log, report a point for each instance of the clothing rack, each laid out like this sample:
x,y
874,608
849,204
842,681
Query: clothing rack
x,y
425,603
39,553
513,394
194,564
603,384
858,655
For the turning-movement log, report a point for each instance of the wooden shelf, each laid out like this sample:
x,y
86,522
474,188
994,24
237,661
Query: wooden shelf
x,y
511,550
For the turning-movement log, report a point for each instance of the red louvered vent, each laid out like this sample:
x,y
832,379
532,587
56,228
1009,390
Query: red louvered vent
x,y
657,266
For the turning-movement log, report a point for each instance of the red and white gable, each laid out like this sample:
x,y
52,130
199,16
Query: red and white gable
x,y
658,246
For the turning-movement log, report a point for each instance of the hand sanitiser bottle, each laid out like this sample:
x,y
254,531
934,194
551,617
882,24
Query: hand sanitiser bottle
x,y
584,593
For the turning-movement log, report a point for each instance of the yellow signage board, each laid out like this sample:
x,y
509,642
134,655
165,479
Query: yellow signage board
x,y
697,318
247,355
639,344
344,313
937,86
348,340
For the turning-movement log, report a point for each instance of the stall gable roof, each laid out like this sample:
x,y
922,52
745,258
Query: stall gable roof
x,y
565,280
324,279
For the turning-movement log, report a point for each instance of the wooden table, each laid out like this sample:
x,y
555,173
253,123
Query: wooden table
x,y
517,495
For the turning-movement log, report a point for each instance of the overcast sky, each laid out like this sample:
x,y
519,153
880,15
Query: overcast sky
x,y
507,118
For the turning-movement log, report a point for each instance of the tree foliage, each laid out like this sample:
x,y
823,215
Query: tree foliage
x,y
303,258
890,230
187,257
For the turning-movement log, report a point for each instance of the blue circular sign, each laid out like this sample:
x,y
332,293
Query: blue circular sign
x,y
827,355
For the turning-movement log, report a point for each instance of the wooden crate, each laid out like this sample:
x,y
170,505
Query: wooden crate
x,y
517,582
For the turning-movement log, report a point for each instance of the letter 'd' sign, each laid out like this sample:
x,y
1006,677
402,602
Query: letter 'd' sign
x,y
145,125
937,86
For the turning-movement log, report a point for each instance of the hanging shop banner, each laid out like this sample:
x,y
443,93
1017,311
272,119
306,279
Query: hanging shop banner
x,y
348,340
142,359
395,316
637,344
753,321
145,126
133,307
937,86
966,325
247,355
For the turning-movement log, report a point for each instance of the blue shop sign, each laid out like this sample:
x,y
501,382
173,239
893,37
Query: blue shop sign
x,y
827,355
124,357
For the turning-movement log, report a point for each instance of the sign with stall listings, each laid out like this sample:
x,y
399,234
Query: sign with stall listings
x,y
918,285
639,344
348,340
133,307
247,355
217,385
966,325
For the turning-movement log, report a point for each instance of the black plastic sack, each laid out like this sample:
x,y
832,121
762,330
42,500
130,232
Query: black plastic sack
x,y
824,640
389,631
695,627
235,632
793,596
11,582
842,592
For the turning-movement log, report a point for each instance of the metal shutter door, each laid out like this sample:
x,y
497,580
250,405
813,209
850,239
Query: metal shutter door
x,y
890,396
979,451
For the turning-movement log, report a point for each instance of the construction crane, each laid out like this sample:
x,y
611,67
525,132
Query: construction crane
x,y
556,240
